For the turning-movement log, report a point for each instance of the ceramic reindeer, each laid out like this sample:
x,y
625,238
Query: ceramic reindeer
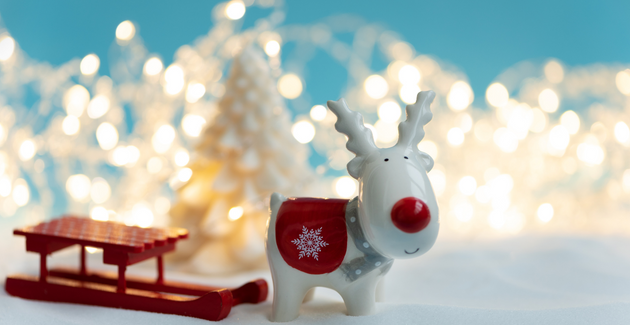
x,y
348,245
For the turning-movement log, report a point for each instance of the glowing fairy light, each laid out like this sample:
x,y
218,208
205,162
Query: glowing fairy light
x,y
193,124
318,112
559,138
545,212
89,64
497,95
107,136
163,138
21,194
590,152
76,100
235,213
7,47
194,92
142,215
376,86
78,186
303,131
70,125
272,48
125,31
554,71
153,66
548,100
460,96
571,121
345,186
100,191
99,213
622,133
182,158
520,120
455,136
133,154
467,185
235,10
622,80
429,147
290,86
409,74
184,174
174,77
120,156
27,150
389,112
408,93
98,106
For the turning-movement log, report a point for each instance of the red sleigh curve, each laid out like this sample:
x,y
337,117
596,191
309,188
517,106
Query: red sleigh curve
x,y
122,246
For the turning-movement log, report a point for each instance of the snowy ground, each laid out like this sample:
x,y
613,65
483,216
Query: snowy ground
x,y
524,280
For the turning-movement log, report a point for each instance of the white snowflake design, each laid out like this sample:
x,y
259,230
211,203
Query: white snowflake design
x,y
310,243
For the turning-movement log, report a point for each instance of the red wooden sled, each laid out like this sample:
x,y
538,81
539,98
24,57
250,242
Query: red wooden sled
x,y
122,246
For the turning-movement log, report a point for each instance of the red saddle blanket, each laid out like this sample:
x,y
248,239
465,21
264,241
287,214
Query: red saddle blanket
x,y
311,233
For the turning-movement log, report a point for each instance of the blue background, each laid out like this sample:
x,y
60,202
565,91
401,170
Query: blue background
x,y
481,37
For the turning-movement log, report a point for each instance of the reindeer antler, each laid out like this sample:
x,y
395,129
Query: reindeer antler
x,y
360,139
411,131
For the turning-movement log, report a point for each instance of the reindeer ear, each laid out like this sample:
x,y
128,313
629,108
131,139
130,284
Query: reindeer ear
x,y
426,160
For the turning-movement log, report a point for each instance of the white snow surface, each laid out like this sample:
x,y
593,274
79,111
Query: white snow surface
x,y
522,280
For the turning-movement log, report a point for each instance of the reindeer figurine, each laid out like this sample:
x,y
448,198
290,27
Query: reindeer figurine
x,y
348,245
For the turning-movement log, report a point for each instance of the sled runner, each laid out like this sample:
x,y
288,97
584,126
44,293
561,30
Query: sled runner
x,y
122,246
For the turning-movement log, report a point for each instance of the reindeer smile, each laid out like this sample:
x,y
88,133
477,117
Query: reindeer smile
x,y
417,249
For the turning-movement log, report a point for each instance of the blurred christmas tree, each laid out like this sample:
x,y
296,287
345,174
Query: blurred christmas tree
x,y
245,155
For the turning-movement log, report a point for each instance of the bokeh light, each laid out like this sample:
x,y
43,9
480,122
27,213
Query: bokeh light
x,y
345,186
7,47
290,86
235,10
107,136
497,95
153,66
318,112
90,64
303,131
460,96
125,31
376,86
548,100
235,213
193,124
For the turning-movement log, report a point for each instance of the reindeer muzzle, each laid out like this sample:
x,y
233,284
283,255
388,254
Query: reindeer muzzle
x,y
411,215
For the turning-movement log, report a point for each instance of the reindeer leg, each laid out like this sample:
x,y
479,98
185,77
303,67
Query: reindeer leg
x,y
287,298
360,297
309,295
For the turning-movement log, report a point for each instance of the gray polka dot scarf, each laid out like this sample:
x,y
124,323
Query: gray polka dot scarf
x,y
372,260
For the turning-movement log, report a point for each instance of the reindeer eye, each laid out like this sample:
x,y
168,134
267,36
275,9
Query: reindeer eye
x,y
406,157
386,159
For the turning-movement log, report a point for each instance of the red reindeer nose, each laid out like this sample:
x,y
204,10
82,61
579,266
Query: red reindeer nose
x,y
411,214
